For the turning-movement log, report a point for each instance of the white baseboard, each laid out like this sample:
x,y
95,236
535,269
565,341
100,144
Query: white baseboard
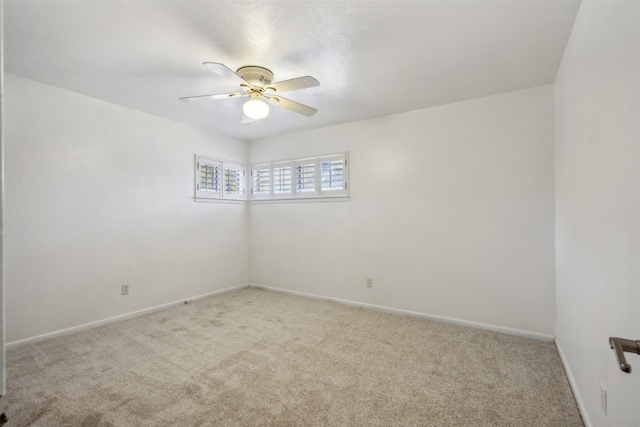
x,y
467,323
494,328
90,325
573,385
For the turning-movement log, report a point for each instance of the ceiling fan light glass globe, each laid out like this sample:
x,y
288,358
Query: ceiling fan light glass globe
x,y
255,109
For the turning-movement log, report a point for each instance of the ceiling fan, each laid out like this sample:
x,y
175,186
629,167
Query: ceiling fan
x,y
256,84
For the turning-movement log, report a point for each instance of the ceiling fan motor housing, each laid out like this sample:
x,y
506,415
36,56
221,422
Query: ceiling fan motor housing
x,y
256,76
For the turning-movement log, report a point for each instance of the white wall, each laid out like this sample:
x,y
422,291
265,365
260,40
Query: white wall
x,y
3,389
451,214
597,103
98,195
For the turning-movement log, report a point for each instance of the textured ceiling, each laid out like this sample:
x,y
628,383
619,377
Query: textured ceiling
x,y
372,58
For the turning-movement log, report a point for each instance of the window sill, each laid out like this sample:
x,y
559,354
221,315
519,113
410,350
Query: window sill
x,y
205,200
303,200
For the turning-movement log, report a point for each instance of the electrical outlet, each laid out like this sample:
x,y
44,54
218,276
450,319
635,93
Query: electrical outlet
x,y
369,283
603,398
125,289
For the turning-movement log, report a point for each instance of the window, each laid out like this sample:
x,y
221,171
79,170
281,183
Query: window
x,y
306,184
261,181
309,178
208,178
315,177
219,179
234,175
282,180
332,176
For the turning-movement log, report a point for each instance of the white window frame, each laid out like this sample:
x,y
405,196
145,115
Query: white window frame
x,y
316,191
221,194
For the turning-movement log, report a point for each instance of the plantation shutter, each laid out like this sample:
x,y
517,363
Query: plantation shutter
x,y
233,181
208,178
282,179
306,178
309,178
261,181
333,175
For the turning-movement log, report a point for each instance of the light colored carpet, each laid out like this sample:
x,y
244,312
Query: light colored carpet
x,y
255,357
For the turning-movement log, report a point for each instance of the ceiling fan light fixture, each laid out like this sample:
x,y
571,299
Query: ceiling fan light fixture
x,y
255,109
257,84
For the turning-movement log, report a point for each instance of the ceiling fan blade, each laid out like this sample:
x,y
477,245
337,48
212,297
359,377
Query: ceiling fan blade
x,y
212,97
294,84
291,105
246,119
224,71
